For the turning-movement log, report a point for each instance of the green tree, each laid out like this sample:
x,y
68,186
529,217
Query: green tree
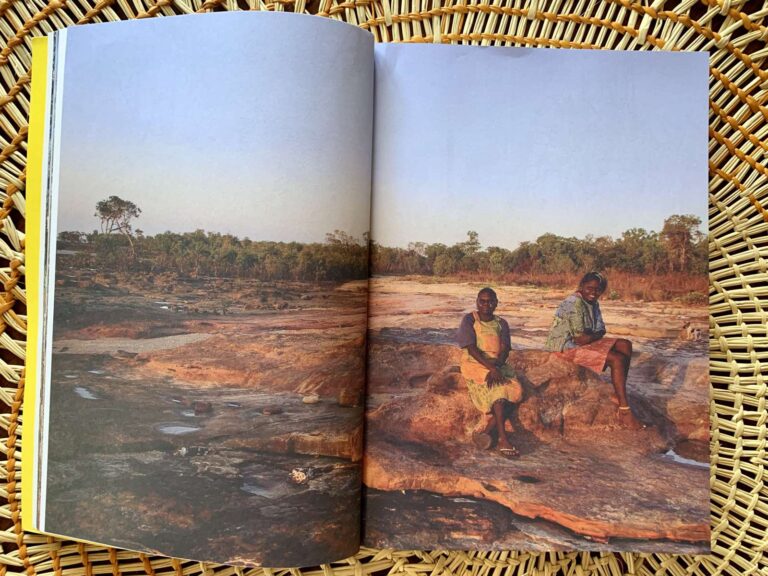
x,y
115,215
498,260
71,238
680,234
472,245
630,250
444,265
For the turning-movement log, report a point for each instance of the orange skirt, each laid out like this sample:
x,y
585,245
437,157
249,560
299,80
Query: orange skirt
x,y
592,355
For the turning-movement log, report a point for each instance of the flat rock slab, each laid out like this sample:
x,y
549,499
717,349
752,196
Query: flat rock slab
x,y
120,346
132,465
597,491
152,500
403,517
156,412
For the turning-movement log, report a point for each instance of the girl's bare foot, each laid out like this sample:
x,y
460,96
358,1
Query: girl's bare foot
x,y
627,419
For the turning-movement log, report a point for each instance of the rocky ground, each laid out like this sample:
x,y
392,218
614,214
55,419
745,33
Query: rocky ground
x,y
188,415
207,418
581,481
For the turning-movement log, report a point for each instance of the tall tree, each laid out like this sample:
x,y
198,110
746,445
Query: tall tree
x,y
680,234
115,215
472,245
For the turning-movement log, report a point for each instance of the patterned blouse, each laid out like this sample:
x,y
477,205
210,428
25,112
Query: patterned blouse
x,y
573,317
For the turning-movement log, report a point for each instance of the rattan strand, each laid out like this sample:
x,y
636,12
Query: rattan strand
x,y
734,32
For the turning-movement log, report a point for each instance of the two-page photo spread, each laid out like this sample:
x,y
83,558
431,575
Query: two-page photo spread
x,y
298,293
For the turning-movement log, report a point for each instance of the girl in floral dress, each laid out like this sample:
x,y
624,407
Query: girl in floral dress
x,y
578,335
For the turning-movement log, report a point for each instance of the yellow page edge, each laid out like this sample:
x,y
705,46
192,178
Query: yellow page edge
x,y
32,250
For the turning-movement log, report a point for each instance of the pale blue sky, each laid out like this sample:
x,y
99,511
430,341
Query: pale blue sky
x,y
515,142
254,124
259,125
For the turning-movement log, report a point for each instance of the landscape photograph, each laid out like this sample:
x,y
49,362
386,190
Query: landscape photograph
x,y
209,308
537,332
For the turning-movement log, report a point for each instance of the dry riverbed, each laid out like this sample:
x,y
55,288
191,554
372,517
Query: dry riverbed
x,y
188,415
208,418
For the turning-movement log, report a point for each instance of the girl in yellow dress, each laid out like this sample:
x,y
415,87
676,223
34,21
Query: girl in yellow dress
x,y
492,386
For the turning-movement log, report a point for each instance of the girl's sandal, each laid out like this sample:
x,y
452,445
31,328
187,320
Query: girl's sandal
x,y
509,453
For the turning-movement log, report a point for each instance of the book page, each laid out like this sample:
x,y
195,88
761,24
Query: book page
x,y
538,373
210,212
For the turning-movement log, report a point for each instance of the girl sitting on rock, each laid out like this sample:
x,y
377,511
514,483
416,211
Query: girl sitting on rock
x,y
492,387
578,335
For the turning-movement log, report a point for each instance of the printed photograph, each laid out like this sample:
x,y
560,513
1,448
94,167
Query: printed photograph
x,y
211,291
537,363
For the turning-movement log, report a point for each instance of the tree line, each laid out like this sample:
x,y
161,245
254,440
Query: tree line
x,y
679,249
340,258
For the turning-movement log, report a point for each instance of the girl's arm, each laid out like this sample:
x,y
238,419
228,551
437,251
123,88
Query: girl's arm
x,y
599,323
494,375
465,338
587,338
581,334
506,344
475,352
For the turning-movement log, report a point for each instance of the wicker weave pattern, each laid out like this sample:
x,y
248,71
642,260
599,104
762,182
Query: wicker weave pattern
x,y
735,34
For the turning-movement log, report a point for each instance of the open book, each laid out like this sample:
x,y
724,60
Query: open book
x,y
206,338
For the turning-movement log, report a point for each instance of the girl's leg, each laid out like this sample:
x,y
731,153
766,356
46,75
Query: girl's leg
x,y
490,424
618,360
619,365
504,445
624,347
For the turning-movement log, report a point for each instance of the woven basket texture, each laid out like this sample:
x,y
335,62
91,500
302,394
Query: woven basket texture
x,y
734,32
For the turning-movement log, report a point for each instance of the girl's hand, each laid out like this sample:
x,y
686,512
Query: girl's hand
x,y
587,338
493,377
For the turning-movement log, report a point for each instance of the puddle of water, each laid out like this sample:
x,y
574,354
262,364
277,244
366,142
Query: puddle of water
x,y
188,413
177,429
268,489
97,372
528,479
85,393
70,376
672,455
